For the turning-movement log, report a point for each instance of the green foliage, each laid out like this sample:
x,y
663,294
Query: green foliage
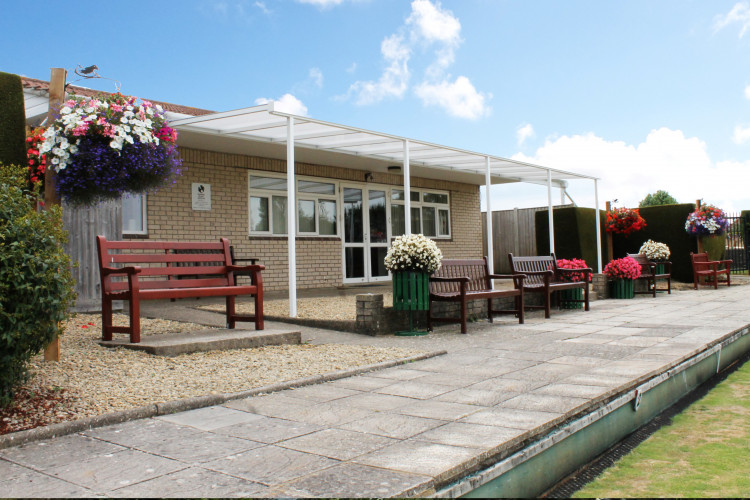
x,y
12,120
36,285
658,198
575,234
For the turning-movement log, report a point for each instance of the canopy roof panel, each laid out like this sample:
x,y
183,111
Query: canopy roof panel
x,y
265,124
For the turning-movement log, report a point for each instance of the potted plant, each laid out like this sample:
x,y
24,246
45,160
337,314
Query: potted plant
x,y
709,224
102,147
572,299
624,221
411,259
656,252
622,272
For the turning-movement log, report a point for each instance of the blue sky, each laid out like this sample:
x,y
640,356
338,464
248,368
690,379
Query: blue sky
x,y
645,95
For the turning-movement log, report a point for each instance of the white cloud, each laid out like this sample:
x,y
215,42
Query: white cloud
x,y
666,160
316,76
263,8
741,134
747,92
286,103
432,28
458,98
740,13
524,132
395,79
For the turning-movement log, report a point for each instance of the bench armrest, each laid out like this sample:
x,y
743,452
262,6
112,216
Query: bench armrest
x,y
462,279
130,270
506,276
253,268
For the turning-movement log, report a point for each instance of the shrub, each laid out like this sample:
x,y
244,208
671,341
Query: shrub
x,y
12,120
36,285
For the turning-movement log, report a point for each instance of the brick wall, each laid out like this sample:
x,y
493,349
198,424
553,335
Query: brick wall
x,y
319,260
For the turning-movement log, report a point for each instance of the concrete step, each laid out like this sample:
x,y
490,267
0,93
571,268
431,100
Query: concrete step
x,y
173,344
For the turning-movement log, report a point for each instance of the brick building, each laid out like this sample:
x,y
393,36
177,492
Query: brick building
x,y
348,187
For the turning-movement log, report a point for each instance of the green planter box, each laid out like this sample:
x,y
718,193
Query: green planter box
x,y
661,268
411,291
714,246
567,295
622,289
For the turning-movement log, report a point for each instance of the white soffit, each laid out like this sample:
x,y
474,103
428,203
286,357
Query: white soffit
x,y
264,124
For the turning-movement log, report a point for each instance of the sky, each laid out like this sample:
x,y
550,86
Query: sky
x,y
645,95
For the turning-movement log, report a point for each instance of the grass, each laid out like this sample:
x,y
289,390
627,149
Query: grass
x,y
705,452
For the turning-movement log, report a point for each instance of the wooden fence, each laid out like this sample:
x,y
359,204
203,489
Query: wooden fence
x,y
514,231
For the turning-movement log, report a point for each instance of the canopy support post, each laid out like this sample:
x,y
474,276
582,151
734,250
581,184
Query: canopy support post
x,y
291,211
549,212
490,235
407,190
598,228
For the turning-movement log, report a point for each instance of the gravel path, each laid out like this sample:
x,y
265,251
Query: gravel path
x,y
92,380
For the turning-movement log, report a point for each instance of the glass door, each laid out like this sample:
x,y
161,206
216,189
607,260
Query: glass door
x,y
378,234
365,234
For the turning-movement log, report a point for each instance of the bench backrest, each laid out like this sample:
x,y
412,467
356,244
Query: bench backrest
x,y
699,257
642,261
532,264
474,269
166,264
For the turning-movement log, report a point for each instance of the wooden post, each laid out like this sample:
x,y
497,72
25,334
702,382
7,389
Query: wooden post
x,y
700,242
610,250
51,198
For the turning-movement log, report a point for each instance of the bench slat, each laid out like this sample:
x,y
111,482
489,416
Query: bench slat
x,y
165,258
164,245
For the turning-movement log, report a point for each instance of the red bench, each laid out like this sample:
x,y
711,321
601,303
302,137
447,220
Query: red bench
x,y
465,280
704,269
207,275
543,276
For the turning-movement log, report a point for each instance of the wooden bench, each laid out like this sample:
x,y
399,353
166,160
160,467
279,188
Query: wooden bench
x,y
709,269
650,276
123,278
463,280
543,276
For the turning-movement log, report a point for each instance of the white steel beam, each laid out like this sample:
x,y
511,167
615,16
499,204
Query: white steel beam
x,y
291,219
598,228
407,189
551,217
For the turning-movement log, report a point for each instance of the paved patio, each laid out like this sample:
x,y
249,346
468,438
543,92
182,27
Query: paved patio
x,y
407,430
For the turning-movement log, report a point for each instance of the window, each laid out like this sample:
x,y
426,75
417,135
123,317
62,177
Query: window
x,y
430,213
134,214
316,206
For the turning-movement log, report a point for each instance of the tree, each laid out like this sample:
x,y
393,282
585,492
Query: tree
x,y
658,198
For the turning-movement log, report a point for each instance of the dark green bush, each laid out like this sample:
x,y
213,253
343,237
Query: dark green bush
x,y
12,121
36,285
575,234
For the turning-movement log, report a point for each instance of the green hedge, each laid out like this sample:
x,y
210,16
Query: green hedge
x,y
575,235
12,121
36,286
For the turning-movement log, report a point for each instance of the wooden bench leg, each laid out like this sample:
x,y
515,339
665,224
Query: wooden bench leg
x,y
259,324
547,301
586,297
489,310
135,320
230,311
463,316
106,319
520,305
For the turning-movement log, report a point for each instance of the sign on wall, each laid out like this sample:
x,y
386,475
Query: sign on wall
x,y
201,196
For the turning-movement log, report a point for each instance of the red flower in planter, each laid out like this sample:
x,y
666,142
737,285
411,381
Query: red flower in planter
x,y
572,264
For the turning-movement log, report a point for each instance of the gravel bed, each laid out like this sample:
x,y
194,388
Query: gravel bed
x,y
334,308
92,380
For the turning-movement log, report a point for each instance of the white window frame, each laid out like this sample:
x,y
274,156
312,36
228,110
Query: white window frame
x,y
299,196
144,216
422,204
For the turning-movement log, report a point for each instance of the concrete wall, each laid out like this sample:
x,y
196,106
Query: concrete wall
x,y
319,259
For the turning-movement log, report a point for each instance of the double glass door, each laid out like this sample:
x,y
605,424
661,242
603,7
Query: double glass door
x,y
365,234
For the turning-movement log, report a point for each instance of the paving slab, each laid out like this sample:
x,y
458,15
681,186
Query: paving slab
x,y
193,483
269,430
210,418
339,444
392,425
22,482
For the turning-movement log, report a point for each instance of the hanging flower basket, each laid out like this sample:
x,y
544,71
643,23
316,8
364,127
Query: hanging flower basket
x,y
707,221
624,221
102,147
